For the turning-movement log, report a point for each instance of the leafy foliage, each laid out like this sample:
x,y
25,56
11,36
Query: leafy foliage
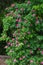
x,y
23,32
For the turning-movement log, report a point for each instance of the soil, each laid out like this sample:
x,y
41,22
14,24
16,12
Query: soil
x,y
2,62
2,59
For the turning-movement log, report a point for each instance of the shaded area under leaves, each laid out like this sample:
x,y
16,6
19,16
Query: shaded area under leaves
x,y
2,49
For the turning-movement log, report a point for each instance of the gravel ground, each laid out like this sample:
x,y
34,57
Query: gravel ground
x,y
2,62
2,59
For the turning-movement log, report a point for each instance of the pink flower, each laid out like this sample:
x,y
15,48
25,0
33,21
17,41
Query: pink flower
x,y
37,22
20,58
6,47
15,60
20,20
17,25
22,9
10,13
12,5
31,61
10,51
8,43
16,38
7,14
23,57
12,39
19,15
14,34
17,44
41,52
11,44
16,41
31,52
38,48
17,20
28,2
33,15
42,62
28,32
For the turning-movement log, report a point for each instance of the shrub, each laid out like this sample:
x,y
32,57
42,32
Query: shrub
x,y
23,33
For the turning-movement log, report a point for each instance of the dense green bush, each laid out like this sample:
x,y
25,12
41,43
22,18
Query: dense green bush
x,y
23,33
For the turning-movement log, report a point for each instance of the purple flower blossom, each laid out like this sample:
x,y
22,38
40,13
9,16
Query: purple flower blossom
x,y
10,51
28,32
28,2
12,39
42,62
12,5
6,47
31,61
33,15
23,57
17,20
15,60
37,22
20,58
8,43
